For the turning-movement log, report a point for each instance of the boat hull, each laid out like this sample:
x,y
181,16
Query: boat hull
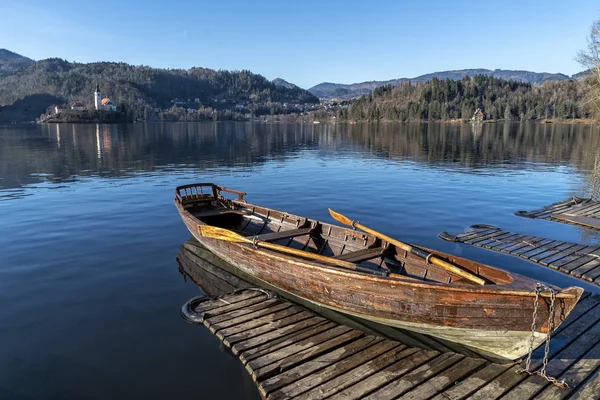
x,y
494,322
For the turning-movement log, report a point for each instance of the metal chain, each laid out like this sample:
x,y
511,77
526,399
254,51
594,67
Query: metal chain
x,y
542,371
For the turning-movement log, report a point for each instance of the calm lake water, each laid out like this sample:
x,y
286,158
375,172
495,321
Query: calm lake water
x,y
89,288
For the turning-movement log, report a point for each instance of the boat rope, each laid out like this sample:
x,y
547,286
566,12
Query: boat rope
x,y
539,288
353,224
255,241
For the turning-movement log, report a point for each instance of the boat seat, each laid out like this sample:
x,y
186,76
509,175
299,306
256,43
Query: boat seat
x,y
213,213
287,234
363,255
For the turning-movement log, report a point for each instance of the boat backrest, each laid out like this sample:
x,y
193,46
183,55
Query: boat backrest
x,y
196,193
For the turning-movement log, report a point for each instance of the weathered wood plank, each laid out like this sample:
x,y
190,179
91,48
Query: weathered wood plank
x,y
362,255
294,359
277,334
480,237
472,382
557,366
506,381
405,362
327,374
586,271
230,300
498,240
574,376
231,338
267,319
287,234
553,261
238,312
445,379
284,341
589,390
283,379
250,316
295,347
406,382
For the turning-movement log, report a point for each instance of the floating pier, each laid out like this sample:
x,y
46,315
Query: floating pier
x,y
574,259
292,352
576,211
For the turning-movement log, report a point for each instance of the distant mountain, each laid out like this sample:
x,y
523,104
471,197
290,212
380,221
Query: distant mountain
x,y
582,75
11,62
283,83
346,91
140,90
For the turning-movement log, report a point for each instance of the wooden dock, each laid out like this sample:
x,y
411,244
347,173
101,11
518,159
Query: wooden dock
x,y
291,352
574,259
576,211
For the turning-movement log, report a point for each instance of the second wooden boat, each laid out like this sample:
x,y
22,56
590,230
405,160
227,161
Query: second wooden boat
x,y
362,275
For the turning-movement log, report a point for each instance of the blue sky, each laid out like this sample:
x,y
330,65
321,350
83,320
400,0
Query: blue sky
x,y
305,42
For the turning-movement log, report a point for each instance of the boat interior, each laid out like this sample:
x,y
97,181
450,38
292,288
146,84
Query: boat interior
x,y
208,204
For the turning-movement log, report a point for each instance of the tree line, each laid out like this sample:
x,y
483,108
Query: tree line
x,y
140,90
443,100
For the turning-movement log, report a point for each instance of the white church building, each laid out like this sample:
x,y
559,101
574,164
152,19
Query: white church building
x,y
103,104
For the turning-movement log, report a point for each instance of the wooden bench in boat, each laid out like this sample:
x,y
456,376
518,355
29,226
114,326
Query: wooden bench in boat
x,y
287,234
364,254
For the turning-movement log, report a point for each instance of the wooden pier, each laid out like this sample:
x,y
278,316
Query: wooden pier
x,y
291,352
574,259
576,211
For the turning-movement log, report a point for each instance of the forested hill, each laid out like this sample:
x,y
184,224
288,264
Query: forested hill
x,y
457,99
138,89
353,90
11,62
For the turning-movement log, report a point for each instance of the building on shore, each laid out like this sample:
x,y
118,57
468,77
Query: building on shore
x,y
58,109
478,116
78,106
103,104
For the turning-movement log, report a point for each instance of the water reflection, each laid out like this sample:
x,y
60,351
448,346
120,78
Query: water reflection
x,y
34,153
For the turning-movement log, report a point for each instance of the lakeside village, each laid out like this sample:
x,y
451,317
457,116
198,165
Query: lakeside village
x,y
216,109
219,109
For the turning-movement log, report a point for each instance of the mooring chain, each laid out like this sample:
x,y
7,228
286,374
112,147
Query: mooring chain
x,y
542,371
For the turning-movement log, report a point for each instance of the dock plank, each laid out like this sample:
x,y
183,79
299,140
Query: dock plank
x,y
576,211
366,370
278,334
231,337
406,382
578,260
324,379
444,380
283,379
473,382
294,359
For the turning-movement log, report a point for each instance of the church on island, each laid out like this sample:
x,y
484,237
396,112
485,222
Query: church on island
x,y
103,104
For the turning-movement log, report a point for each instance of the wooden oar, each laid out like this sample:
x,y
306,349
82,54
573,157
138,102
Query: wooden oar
x,y
224,234
414,250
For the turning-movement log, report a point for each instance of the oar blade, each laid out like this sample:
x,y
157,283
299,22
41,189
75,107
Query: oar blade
x,y
340,218
220,233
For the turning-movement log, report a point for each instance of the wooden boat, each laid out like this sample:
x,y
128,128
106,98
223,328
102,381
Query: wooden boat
x,y
387,285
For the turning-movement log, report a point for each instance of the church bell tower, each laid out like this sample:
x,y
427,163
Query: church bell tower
x,y
97,98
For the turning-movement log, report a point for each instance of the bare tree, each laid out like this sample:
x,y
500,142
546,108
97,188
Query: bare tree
x,y
590,59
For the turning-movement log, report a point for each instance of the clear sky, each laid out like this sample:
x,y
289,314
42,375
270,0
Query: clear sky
x,y
305,42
